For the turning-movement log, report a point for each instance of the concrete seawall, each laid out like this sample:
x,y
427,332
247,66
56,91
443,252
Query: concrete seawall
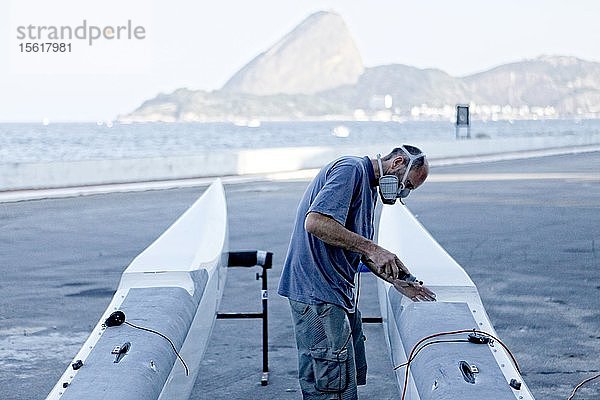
x,y
23,176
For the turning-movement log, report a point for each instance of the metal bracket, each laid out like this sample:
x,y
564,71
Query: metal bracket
x,y
372,320
120,351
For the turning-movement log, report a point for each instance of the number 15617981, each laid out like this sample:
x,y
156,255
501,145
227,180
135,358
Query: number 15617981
x,y
47,47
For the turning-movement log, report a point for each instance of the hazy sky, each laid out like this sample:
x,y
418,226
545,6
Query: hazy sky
x,y
200,44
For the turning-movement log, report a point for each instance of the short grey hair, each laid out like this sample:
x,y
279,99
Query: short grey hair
x,y
398,151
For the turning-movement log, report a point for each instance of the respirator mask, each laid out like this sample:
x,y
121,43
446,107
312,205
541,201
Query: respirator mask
x,y
390,188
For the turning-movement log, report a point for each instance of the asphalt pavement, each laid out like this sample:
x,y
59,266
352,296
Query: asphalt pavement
x,y
525,230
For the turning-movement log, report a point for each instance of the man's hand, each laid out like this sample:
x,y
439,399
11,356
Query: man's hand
x,y
387,263
414,291
332,232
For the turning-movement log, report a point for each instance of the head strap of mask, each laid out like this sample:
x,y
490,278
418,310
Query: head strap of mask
x,y
390,188
388,185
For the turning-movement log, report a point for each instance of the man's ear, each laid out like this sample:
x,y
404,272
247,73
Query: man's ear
x,y
397,162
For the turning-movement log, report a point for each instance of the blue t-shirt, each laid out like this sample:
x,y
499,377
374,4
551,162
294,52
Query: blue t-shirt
x,y
314,271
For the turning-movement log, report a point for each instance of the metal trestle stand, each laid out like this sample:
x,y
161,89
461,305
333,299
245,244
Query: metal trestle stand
x,y
263,259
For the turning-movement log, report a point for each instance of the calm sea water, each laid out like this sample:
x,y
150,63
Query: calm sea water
x,y
70,142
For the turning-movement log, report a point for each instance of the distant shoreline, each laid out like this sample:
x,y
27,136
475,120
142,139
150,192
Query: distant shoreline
x,y
252,170
341,119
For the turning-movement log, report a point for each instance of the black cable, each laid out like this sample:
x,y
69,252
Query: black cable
x,y
187,371
516,365
427,344
350,334
581,384
355,307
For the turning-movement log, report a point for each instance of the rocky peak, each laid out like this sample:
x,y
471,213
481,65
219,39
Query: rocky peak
x,y
319,54
559,61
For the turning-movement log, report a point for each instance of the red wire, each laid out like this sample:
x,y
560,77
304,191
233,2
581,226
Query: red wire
x,y
410,358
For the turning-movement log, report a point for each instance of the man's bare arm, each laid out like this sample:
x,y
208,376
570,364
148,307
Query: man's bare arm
x,y
332,232
380,261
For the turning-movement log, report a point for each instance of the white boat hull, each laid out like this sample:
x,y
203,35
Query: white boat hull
x,y
434,373
173,287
